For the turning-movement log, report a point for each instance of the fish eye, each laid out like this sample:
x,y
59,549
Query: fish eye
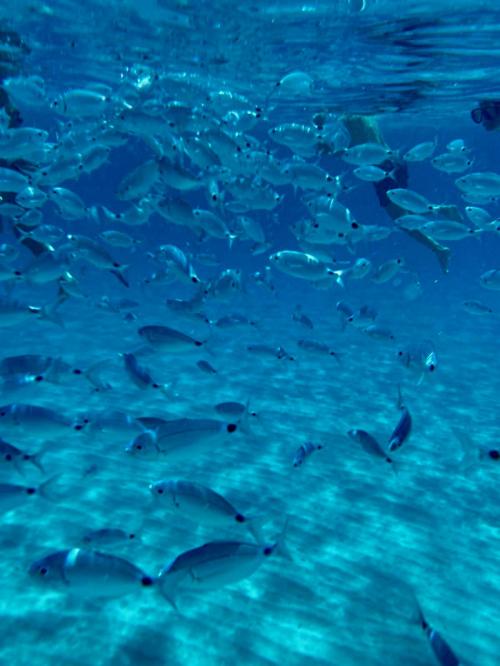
x,y
239,518
30,491
39,378
494,454
131,536
77,371
267,550
138,447
432,367
43,571
8,457
354,225
3,413
160,491
231,427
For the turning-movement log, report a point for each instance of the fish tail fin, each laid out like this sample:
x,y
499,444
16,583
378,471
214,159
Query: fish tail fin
x,y
254,524
47,489
119,273
168,593
470,454
49,313
281,545
36,460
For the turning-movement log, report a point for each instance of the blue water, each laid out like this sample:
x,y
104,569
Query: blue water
x,y
365,539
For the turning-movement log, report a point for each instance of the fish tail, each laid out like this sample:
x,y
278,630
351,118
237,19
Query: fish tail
x,y
49,313
168,593
119,273
36,460
280,545
47,489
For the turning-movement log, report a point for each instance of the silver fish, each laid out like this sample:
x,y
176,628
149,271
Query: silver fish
x,y
90,573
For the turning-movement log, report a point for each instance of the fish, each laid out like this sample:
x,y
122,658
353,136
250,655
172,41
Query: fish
x,y
409,200
304,451
200,504
440,648
452,162
180,439
477,308
11,456
90,574
490,279
320,348
369,444
269,350
13,495
420,152
215,565
166,339
108,536
302,318
403,427
205,367
387,271
42,421
137,373
482,184
302,265
366,154
420,357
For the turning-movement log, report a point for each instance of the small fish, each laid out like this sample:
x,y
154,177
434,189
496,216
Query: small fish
x,y
366,154
452,162
166,339
232,409
420,152
378,332
205,366
268,350
200,504
369,444
42,421
90,574
301,265
420,357
178,439
320,348
490,279
482,184
387,270
409,200
403,428
477,308
214,565
304,451
442,651
108,536
12,456
137,373
13,495
302,318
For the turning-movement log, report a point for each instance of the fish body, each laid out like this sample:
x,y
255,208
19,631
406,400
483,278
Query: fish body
x,y
490,279
38,420
304,451
402,430
89,574
369,444
197,502
212,566
166,339
178,439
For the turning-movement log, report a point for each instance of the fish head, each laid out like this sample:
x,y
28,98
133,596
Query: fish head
x,y
50,569
143,445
